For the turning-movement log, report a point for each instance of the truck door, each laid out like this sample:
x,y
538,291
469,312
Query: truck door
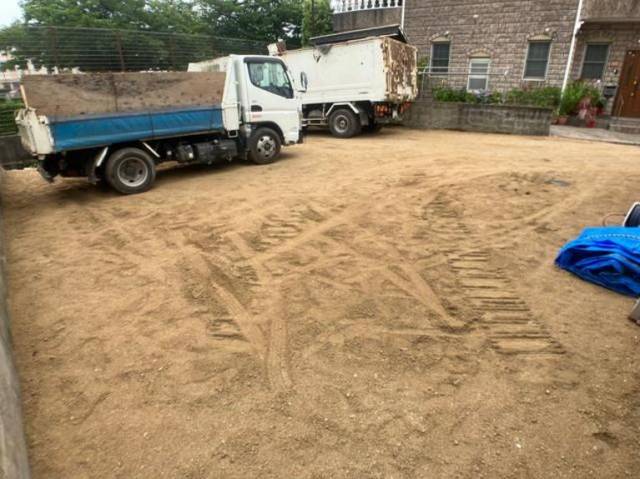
x,y
271,97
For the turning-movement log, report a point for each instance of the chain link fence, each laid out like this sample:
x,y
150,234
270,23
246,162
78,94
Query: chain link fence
x,y
31,50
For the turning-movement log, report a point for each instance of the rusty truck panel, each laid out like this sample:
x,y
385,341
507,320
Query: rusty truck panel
x,y
400,64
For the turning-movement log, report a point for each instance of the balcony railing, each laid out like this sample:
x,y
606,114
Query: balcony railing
x,y
342,6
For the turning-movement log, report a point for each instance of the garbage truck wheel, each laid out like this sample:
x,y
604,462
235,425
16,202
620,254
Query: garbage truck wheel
x,y
130,171
344,123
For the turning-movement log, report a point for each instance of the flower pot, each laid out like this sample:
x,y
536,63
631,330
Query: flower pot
x,y
563,119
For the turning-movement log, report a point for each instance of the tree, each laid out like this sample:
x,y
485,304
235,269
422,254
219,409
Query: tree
x,y
266,20
316,19
145,34
156,15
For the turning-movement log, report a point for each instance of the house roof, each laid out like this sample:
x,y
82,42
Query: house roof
x,y
393,31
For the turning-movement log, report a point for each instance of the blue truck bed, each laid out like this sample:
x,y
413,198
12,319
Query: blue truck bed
x,y
79,132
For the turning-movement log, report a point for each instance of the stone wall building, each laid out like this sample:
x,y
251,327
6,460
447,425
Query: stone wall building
x,y
500,45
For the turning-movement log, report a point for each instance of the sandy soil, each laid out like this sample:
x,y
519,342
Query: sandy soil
x,y
382,307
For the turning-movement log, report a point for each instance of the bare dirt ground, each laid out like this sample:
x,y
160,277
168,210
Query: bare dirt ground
x,y
382,307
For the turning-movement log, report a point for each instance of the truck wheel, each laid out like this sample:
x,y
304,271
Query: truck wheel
x,y
344,123
264,146
130,171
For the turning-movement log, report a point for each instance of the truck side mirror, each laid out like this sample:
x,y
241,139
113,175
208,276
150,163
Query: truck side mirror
x,y
304,82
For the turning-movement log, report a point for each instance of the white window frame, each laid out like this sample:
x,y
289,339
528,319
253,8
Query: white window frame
x,y
606,60
526,58
433,44
476,77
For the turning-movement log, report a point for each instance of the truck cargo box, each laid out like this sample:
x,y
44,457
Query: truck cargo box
x,y
67,112
370,69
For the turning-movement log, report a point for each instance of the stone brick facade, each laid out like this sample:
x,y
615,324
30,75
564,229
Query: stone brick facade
x,y
502,30
498,30
620,37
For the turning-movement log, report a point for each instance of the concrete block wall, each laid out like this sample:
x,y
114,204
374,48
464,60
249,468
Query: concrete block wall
x,y
12,154
518,120
366,19
13,449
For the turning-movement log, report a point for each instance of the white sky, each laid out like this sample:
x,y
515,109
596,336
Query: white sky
x,y
9,11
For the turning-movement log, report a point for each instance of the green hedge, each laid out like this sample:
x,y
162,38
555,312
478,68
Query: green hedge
x,y
544,97
7,116
547,97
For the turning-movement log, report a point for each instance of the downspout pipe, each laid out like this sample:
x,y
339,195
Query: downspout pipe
x,y
572,49
404,4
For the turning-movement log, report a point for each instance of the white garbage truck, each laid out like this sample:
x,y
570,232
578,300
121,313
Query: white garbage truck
x,y
353,85
118,127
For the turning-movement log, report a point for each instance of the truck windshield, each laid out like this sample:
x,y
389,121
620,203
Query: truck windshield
x,y
270,76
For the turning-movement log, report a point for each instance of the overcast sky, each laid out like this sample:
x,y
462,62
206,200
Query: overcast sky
x,y
9,12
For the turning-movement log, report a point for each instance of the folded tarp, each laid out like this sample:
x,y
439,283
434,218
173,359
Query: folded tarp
x,y
609,257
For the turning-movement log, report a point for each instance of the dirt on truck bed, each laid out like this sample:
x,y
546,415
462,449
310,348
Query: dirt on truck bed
x,y
382,307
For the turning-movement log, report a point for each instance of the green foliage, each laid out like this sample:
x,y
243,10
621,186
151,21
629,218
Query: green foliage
x,y
264,20
267,20
316,19
423,62
157,15
95,49
7,116
575,93
448,94
109,35
461,95
544,97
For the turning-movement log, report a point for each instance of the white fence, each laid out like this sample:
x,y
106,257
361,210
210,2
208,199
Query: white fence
x,y
341,6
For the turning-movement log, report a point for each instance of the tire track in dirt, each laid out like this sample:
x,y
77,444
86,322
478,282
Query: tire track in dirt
x,y
277,339
414,286
248,326
513,328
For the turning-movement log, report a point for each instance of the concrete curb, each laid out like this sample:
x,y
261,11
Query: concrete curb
x,y
13,448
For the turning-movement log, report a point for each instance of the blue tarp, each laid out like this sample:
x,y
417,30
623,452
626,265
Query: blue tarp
x,y
102,130
609,257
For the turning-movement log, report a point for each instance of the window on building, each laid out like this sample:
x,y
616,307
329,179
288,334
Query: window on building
x,y
537,60
440,57
595,59
478,74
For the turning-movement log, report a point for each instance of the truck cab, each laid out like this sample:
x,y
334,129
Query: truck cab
x,y
120,126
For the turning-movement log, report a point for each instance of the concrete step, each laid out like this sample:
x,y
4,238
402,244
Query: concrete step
x,y
625,125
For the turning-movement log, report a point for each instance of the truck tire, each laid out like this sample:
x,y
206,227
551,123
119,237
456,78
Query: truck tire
x,y
344,123
264,146
130,171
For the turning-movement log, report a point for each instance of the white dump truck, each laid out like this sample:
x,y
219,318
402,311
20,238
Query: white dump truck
x,y
353,85
118,126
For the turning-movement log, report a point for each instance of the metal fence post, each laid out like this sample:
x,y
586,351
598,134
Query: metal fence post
x,y
119,48
53,33
172,51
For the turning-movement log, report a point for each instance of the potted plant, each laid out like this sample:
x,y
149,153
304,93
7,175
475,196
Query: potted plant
x,y
572,96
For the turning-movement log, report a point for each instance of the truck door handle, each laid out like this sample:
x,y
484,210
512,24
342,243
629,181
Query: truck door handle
x,y
256,108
